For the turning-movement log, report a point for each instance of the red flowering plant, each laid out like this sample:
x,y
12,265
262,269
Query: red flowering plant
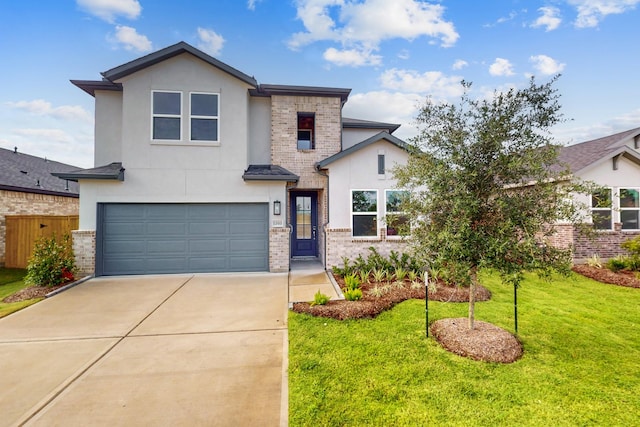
x,y
52,262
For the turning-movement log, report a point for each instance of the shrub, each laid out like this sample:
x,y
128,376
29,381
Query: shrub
x,y
594,261
319,299
632,246
616,264
52,262
353,294
352,282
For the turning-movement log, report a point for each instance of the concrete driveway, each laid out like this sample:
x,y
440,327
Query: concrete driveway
x,y
150,350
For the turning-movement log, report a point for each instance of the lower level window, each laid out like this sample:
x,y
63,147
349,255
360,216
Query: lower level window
x,y
364,213
397,221
601,210
629,208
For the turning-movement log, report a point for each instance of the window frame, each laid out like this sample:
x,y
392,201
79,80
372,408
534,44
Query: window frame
x,y
155,115
629,208
312,131
595,208
201,117
388,213
373,214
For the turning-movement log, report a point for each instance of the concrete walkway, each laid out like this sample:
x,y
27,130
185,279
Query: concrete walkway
x,y
179,350
308,277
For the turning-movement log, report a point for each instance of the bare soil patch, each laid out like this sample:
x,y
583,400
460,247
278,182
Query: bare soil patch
x,y
604,275
371,305
486,342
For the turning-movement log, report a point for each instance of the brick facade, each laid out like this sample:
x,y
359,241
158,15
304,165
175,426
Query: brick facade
x,y
84,249
604,244
341,244
279,249
19,203
328,141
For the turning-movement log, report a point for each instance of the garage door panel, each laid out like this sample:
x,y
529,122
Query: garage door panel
x,y
159,247
247,245
208,229
246,228
124,247
182,238
208,246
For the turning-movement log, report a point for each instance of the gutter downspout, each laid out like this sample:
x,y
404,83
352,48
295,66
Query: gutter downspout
x,y
324,226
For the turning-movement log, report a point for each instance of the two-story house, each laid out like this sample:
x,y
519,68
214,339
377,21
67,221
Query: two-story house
x,y
199,168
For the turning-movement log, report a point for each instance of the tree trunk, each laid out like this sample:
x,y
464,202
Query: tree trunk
x,y
472,296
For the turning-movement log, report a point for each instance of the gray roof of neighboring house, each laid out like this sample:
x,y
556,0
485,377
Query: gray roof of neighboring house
x,y
113,171
30,174
350,123
269,173
582,155
360,145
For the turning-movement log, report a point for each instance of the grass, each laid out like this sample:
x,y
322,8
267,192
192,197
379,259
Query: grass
x,y
11,281
580,365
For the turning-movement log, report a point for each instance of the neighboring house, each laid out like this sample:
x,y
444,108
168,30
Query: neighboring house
x,y
201,169
27,188
612,162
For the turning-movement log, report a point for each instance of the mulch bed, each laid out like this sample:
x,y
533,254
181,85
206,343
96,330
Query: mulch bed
x,y
371,306
604,275
31,292
485,342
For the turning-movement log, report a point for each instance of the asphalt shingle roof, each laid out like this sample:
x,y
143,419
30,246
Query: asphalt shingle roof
x,y
31,174
268,173
580,156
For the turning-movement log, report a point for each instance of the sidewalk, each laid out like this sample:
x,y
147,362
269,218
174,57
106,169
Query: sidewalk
x,y
308,277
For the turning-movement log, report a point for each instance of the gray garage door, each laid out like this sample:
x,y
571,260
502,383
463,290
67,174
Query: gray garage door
x,y
182,238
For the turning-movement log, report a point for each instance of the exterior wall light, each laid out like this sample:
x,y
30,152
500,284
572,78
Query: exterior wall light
x,y
276,207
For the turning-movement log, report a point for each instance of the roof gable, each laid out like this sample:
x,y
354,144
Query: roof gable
x,y
30,174
382,136
590,153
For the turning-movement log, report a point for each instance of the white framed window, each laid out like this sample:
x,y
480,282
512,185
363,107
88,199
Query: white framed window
x,y
602,209
396,220
166,111
204,117
629,208
364,213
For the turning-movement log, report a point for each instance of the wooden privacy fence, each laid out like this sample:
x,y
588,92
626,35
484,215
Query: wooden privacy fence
x,y
24,230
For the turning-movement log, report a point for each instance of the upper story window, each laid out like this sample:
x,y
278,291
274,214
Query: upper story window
x,y
167,115
602,210
629,208
364,213
306,131
204,119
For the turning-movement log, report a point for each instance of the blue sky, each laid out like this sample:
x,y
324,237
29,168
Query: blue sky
x,y
391,53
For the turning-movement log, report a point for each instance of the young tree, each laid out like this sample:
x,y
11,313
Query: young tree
x,y
485,185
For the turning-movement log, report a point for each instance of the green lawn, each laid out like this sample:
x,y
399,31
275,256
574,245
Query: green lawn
x,y
581,364
11,280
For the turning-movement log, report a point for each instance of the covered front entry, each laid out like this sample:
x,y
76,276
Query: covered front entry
x,y
150,238
304,220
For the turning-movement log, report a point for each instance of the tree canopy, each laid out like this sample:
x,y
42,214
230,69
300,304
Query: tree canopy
x,y
485,185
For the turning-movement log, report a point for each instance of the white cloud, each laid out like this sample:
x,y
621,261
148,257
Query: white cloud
x,y
45,135
41,107
251,4
363,25
575,134
549,19
501,67
433,83
591,12
129,38
108,10
546,65
210,41
388,107
459,64
404,54
351,57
